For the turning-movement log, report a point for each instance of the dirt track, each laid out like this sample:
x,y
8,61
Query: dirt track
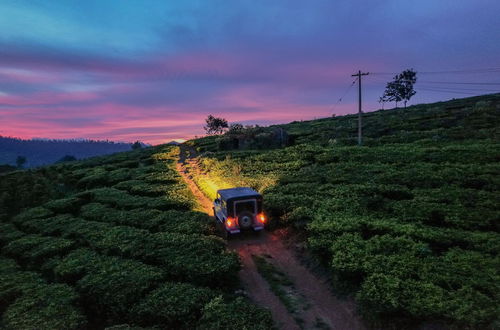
x,y
317,307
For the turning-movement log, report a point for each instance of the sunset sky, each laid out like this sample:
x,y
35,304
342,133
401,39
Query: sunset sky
x,y
129,70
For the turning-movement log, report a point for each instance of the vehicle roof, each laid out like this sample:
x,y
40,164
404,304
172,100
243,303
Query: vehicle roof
x,y
238,192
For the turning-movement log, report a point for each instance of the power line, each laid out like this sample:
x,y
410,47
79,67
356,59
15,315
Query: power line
x,y
447,91
490,70
348,90
345,93
458,83
452,87
443,84
460,88
484,70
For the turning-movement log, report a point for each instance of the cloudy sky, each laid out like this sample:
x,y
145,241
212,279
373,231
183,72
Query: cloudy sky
x,y
153,70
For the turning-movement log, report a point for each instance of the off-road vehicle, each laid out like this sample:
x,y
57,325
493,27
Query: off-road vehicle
x,y
238,209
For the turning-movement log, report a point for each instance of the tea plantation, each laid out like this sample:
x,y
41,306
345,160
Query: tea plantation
x,y
409,223
114,241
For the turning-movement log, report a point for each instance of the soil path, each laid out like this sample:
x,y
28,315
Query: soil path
x,y
317,308
187,163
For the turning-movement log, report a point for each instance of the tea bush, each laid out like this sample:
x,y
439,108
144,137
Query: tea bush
x,y
173,306
46,307
237,314
152,220
409,222
116,239
34,249
28,302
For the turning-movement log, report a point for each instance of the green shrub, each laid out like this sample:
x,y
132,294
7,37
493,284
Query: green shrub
x,y
128,327
9,233
177,194
27,302
97,177
115,286
187,222
173,306
33,213
15,283
237,314
45,307
119,175
7,265
198,259
128,164
139,218
36,249
349,255
419,205
76,264
161,177
391,296
122,200
65,205
470,307
53,226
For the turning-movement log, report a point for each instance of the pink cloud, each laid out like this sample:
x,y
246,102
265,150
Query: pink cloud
x,y
45,98
166,97
27,76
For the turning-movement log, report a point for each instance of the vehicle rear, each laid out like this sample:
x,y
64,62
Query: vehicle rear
x,y
239,209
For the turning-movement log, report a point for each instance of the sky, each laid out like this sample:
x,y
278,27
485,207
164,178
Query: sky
x,y
153,70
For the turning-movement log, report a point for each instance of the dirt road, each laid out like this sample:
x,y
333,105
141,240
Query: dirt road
x,y
308,302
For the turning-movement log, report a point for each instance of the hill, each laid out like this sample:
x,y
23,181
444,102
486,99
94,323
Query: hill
x,y
44,152
114,240
407,223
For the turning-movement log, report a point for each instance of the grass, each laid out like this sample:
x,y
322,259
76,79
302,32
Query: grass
x,y
281,286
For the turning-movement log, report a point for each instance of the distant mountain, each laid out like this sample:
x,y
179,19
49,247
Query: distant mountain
x,y
42,152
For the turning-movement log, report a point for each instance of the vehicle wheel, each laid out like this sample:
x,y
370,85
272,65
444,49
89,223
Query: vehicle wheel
x,y
245,220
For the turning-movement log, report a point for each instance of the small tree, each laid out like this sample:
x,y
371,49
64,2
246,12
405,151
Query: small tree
x,y
20,161
136,145
215,125
235,128
382,100
401,88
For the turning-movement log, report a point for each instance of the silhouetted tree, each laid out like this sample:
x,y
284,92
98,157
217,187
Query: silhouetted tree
x,y
215,125
45,151
20,161
136,145
401,88
235,128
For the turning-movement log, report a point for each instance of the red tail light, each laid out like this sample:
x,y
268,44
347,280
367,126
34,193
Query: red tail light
x,y
230,222
261,217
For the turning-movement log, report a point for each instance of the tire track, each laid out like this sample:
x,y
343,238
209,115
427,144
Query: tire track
x,y
320,309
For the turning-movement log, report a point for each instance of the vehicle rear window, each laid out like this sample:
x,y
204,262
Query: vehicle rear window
x,y
245,206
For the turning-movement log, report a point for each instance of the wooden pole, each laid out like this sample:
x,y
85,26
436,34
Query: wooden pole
x,y
360,111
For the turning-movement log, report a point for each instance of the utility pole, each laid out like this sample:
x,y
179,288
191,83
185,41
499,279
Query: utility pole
x,y
360,122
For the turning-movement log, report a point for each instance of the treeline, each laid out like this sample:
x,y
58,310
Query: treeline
x,y
41,152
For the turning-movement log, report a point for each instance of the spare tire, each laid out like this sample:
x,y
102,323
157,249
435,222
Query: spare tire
x,y
245,220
